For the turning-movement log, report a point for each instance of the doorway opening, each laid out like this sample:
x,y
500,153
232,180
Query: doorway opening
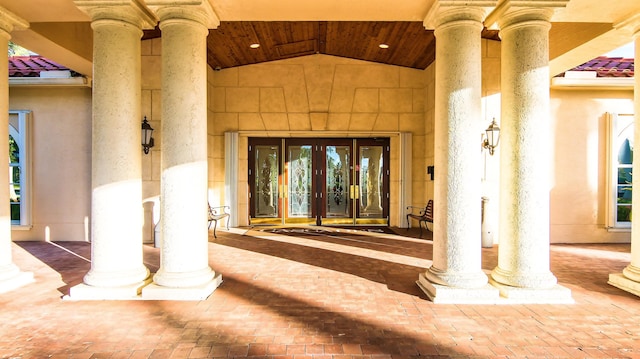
x,y
319,181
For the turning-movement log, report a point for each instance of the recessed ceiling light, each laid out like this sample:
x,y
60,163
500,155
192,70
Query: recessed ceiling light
x,y
254,46
383,46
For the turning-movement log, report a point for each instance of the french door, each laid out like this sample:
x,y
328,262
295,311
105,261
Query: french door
x,y
319,181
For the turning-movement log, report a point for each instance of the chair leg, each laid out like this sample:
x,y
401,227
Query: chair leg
x,y
408,224
214,229
420,225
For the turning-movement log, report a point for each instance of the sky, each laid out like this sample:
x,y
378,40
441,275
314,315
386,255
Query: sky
x,y
624,51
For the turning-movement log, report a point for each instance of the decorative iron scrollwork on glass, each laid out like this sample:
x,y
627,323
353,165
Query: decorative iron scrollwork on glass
x,y
299,179
265,180
300,187
338,184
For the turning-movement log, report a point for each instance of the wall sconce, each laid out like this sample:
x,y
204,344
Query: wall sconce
x,y
147,131
493,137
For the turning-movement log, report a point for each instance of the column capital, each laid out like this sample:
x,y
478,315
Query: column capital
x,y
200,11
444,11
630,23
10,21
513,11
131,11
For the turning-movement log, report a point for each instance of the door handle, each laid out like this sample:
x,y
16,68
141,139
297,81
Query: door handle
x,y
283,191
354,192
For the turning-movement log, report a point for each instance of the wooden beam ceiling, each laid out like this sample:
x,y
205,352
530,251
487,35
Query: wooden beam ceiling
x,y
409,43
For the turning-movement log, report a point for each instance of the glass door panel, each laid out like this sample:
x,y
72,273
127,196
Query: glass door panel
x,y
264,176
370,181
373,182
337,190
299,184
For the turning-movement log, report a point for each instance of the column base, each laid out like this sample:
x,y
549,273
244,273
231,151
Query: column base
x,y
199,292
510,278
620,281
556,294
87,292
442,294
632,272
16,281
117,279
496,293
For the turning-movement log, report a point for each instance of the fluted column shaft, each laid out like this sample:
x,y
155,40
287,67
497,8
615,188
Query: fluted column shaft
x,y
525,161
10,275
456,228
116,203
184,255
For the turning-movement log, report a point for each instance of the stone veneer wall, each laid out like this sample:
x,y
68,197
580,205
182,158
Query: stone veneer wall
x,y
329,96
320,96
316,95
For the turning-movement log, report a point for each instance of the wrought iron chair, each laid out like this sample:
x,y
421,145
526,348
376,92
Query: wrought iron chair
x,y
425,215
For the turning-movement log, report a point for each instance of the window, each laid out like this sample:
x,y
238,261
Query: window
x,y
620,167
19,165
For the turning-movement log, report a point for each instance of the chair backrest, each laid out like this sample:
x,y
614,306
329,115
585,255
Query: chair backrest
x,y
211,211
428,211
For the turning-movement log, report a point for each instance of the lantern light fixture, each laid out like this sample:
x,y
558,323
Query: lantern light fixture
x,y
492,137
147,131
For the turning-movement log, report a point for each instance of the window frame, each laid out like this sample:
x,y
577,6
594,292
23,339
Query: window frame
x,y
613,167
22,136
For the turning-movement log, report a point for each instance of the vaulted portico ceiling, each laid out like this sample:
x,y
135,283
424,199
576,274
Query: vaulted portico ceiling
x,y
409,44
582,31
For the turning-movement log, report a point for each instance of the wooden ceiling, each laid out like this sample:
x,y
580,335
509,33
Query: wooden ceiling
x,y
410,45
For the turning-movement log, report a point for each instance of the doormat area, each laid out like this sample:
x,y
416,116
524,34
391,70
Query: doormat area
x,y
326,231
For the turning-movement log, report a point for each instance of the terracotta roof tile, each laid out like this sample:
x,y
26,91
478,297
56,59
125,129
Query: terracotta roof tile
x,y
31,66
609,66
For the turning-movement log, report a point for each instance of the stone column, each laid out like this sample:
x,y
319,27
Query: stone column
x,y
117,270
523,260
10,275
629,279
184,261
456,274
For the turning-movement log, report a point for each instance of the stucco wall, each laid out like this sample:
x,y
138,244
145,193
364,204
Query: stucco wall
x,y
61,161
490,176
578,189
151,108
578,184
